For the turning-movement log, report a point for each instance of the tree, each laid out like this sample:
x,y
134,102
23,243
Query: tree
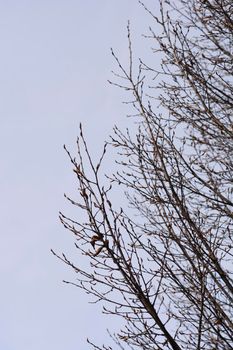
x,y
167,272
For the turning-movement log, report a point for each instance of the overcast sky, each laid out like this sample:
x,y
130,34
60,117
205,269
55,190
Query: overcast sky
x,y
54,64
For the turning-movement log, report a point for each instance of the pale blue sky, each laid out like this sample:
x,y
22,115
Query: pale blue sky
x,y
54,64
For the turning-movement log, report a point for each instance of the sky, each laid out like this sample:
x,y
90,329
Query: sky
x,y
54,65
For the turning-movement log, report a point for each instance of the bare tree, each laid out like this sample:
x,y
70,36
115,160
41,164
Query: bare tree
x,y
167,272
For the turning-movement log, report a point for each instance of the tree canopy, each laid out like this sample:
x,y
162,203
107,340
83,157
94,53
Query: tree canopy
x,y
167,271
